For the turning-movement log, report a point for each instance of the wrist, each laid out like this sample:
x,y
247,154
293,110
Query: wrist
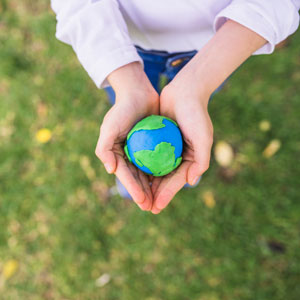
x,y
208,78
189,86
132,85
130,79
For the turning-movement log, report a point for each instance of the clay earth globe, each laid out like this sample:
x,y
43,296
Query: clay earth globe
x,y
154,145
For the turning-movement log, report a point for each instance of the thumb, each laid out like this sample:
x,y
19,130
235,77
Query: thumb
x,y
104,149
195,171
200,163
109,160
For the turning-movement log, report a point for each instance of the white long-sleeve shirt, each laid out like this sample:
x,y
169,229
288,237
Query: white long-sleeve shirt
x,y
103,32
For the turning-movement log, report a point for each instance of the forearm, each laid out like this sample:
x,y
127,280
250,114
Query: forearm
x,y
128,78
223,54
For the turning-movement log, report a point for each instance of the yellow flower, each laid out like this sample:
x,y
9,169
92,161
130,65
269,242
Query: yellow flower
x,y
10,268
265,125
43,135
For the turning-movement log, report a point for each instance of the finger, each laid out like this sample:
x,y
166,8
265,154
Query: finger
x,y
170,186
107,137
147,205
130,180
155,210
142,180
155,184
202,152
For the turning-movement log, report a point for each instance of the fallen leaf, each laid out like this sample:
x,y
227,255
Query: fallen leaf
x,y
223,154
43,135
10,268
209,199
272,148
103,280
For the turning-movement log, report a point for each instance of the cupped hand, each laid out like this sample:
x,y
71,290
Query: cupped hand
x,y
188,107
131,106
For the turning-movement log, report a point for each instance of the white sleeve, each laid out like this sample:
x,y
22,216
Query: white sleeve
x,y
98,34
274,20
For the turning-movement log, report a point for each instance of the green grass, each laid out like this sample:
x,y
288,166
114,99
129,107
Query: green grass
x,y
58,223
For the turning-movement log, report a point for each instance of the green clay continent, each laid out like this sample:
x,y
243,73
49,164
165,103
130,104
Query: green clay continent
x,y
150,123
127,153
161,161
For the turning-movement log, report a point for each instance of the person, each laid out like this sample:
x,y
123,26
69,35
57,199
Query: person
x,y
126,45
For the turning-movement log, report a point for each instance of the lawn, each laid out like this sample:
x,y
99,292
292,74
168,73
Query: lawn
x,y
65,235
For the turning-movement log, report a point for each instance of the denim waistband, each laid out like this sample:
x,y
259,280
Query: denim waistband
x,y
173,59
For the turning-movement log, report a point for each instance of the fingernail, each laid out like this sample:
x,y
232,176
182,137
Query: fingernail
x,y
108,168
159,206
143,207
155,210
140,201
195,180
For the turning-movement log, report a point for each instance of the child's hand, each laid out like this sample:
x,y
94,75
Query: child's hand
x,y
185,100
181,102
133,102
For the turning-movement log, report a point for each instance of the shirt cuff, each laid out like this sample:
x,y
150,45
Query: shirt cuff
x,y
99,70
248,16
